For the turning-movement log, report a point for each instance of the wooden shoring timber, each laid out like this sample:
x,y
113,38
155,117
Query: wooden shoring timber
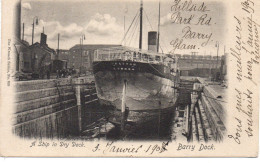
x,y
205,123
187,115
199,125
216,125
194,128
211,97
192,123
193,135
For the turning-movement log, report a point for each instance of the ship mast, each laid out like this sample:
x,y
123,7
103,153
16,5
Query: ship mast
x,y
158,40
141,25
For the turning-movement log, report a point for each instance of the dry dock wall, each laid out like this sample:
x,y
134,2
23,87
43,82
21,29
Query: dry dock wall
x,y
215,114
212,104
203,118
49,108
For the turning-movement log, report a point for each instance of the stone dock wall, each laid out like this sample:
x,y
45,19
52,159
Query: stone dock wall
x,y
215,113
50,108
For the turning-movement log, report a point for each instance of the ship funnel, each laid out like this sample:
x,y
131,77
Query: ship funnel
x,y
152,41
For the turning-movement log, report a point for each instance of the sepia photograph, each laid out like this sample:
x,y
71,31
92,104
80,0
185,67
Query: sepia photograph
x,y
182,75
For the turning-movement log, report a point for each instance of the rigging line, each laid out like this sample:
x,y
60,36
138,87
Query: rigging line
x,y
130,26
164,45
156,69
136,38
161,48
137,32
132,30
152,29
128,31
128,36
148,20
135,27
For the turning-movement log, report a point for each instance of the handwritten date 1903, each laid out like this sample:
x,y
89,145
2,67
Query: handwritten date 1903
x,y
156,148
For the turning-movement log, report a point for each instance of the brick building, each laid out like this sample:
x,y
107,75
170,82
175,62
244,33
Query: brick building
x,y
23,56
63,54
41,56
80,57
199,65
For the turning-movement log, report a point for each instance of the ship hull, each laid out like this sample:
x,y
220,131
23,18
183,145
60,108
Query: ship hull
x,y
148,90
145,90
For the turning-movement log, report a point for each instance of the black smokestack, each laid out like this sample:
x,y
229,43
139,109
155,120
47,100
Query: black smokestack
x,y
152,41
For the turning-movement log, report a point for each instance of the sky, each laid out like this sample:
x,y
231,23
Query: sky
x,y
102,22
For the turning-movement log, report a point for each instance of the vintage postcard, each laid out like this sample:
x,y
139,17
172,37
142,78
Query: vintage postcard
x,y
130,78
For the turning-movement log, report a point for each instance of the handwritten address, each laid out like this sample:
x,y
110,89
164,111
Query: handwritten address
x,y
195,15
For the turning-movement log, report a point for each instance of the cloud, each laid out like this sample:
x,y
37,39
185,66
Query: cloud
x,y
165,20
67,32
100,29
52,28
103,25
26,6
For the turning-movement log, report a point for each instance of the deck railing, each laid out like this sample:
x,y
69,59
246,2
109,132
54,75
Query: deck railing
x,y
107,55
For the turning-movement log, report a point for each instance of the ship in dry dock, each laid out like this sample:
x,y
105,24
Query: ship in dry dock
x,y
136,82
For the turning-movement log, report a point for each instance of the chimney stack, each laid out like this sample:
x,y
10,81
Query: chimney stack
x,y
43,39
17,20
152,41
